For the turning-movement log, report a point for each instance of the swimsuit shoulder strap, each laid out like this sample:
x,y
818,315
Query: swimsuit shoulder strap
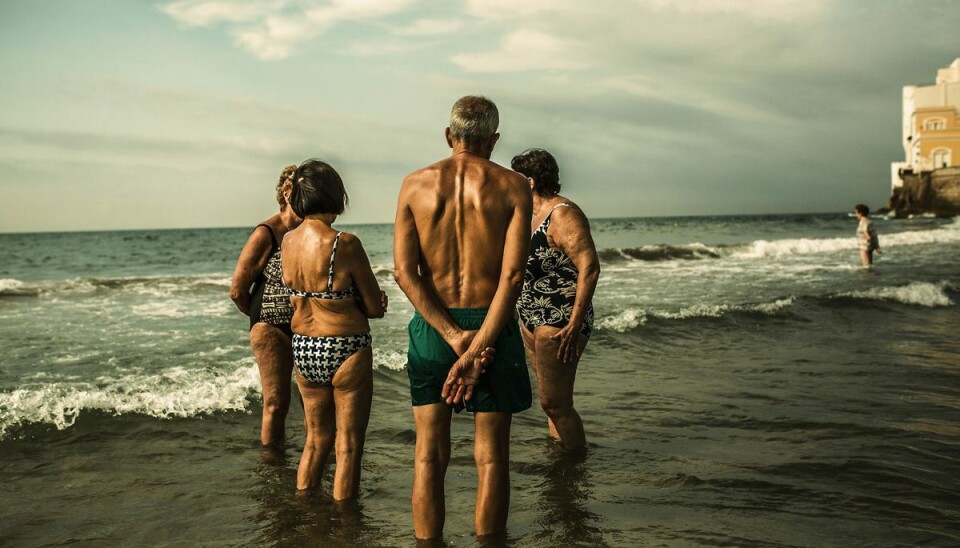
x,y
546,220
273,238
333,257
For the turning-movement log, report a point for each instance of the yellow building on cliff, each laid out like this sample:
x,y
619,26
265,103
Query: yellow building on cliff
x,y
931,125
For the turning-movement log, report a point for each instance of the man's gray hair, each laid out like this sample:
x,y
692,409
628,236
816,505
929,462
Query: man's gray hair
x,y
473,117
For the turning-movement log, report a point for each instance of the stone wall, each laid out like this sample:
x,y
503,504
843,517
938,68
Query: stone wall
x,y
936,192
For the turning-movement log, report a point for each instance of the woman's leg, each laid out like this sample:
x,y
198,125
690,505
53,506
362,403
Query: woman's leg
x,y
352,393
556,388
318,411
274,355
530,345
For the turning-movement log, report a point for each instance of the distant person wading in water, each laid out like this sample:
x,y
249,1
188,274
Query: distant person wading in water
x,y
866,235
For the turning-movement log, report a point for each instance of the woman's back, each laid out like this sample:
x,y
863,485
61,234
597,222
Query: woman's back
x,y
320,265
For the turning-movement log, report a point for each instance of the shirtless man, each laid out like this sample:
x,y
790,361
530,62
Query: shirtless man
x,y
461,240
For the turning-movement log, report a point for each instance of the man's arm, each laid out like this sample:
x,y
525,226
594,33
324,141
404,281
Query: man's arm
x,y
464,373
406,271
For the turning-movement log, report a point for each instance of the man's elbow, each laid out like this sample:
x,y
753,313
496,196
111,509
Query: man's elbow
x,y
514,278
403,275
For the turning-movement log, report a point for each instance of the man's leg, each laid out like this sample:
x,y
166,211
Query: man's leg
x,y
431,457
492,453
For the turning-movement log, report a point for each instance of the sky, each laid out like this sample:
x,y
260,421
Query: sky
x,y
181,113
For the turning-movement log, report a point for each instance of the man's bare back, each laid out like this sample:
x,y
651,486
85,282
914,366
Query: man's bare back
x,y
461,208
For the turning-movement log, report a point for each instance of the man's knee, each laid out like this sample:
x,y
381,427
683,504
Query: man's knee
x,y
493,445
433,455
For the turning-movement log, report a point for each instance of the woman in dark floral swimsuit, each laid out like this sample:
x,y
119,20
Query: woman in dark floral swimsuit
x,y
555,305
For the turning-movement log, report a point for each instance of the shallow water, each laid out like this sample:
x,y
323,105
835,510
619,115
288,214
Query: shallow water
x,y
747,385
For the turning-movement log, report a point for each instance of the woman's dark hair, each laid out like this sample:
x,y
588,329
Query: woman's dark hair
x,y
317,188
862,209
541,167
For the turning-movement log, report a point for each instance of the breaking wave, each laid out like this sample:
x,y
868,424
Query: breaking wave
x,y
924,294
917,294
805,246
149,285
660,253
761,249
175,392
633,318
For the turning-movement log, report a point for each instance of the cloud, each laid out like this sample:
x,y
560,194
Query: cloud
x,y
759,9
523,50
204,13
273,30
430,27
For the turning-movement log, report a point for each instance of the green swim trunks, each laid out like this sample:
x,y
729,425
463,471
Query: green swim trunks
x,y
504,387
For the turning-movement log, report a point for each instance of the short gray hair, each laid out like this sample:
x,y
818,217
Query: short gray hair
x,y
473,117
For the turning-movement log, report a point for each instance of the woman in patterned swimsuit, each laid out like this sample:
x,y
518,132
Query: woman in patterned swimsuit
x,y
258,292
555,304
334,292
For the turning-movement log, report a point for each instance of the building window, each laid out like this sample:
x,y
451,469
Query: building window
x,y
941,158
934,124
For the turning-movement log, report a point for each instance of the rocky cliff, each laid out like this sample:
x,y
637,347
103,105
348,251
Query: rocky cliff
x,y
936,192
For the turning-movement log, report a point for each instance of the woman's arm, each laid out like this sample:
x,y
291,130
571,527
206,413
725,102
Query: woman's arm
x,y
570,231
253,259
370,298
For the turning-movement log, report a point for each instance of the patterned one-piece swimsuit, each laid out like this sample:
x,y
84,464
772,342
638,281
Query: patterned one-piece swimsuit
x,y
550,284
318,358
270,300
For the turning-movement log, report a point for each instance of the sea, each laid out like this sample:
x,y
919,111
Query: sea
x,y
748,383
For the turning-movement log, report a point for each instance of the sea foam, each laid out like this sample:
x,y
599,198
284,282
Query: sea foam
x,y
631,318
805,246
917,293
624,321
175,392
152,286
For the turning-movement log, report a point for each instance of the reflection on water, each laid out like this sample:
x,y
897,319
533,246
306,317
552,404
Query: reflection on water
x,y
288,518
565,492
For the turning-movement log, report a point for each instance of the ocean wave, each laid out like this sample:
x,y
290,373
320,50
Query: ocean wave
x,y
632,318
394,360
917,293
10,287
624,321
719,310
154,286
692,251
176,392
806,246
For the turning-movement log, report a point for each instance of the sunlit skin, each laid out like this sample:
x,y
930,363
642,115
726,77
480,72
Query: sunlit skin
x,y
554,353
336,415
461,239
271,346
